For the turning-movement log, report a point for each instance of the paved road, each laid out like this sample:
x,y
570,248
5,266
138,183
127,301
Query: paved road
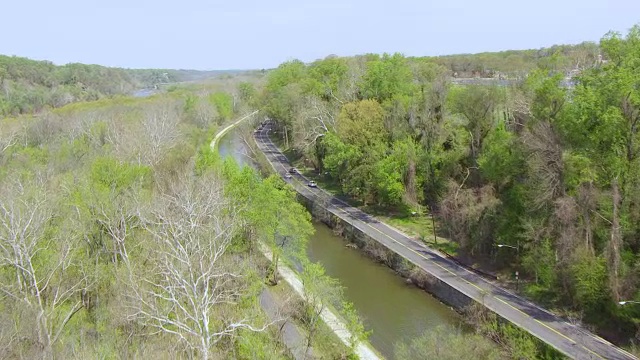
x,y
571,340
292,337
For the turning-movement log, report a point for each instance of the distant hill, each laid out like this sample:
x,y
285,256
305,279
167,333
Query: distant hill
x,y
514,63
28,86
197,75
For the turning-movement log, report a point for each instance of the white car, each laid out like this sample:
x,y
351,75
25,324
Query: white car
x,y
312,184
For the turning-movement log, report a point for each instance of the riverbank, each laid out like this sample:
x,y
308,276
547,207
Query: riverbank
x,y
332,321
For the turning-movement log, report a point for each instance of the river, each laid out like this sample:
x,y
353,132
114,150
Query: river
x,y
391,309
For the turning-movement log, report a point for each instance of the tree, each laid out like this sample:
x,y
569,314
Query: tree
x,y
285,223
316,119
604,128
160,133
354,325
282,94
107,205
199,111
361,123
478,105
387,78
224,105
325,77
248,93
321,291
195,280
39,272
448,343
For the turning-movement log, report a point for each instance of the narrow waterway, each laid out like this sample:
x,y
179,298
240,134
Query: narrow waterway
x,y
232,145
391,309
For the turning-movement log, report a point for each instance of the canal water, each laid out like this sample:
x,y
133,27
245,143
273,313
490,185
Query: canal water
x,y
393,310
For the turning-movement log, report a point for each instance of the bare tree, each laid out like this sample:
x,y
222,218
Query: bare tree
x,y
39,265
464,211
204,113
118,219
194,280
7,140
545,162
126,140
348,90
160,133
316,118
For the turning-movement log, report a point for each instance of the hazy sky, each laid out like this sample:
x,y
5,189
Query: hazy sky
x,y
240,34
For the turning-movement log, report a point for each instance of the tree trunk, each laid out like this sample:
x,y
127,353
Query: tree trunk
x,y
411,182
615,243
205,349
586,200
274,260
286,137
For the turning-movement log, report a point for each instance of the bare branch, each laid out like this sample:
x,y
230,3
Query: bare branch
x,y
194,278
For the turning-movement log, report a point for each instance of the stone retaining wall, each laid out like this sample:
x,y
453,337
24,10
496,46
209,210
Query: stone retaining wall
x,y
384,255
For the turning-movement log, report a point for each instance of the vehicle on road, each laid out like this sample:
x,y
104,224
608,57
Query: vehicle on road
x,y
293,171
312,184
287,176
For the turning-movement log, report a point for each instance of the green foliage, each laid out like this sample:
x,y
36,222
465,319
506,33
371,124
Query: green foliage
x,y
536,165
515,63
32,86
539,261
500,161
248,93
361,123
579,170
354,325
590,274
325,78
387,78
520,343
111,174
251,345
206,159
224,104
448,343
93,239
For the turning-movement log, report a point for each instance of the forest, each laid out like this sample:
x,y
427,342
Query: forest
x,y
30,86
123,234
538,177
517,63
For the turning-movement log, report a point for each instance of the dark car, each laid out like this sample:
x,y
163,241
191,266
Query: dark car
x,y
293,171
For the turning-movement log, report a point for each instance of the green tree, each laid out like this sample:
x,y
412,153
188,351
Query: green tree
x,y
321,292
224,104
325,78
387,78
361,123
448,343
477,104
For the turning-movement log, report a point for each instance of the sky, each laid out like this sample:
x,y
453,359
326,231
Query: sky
x,y
254,34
